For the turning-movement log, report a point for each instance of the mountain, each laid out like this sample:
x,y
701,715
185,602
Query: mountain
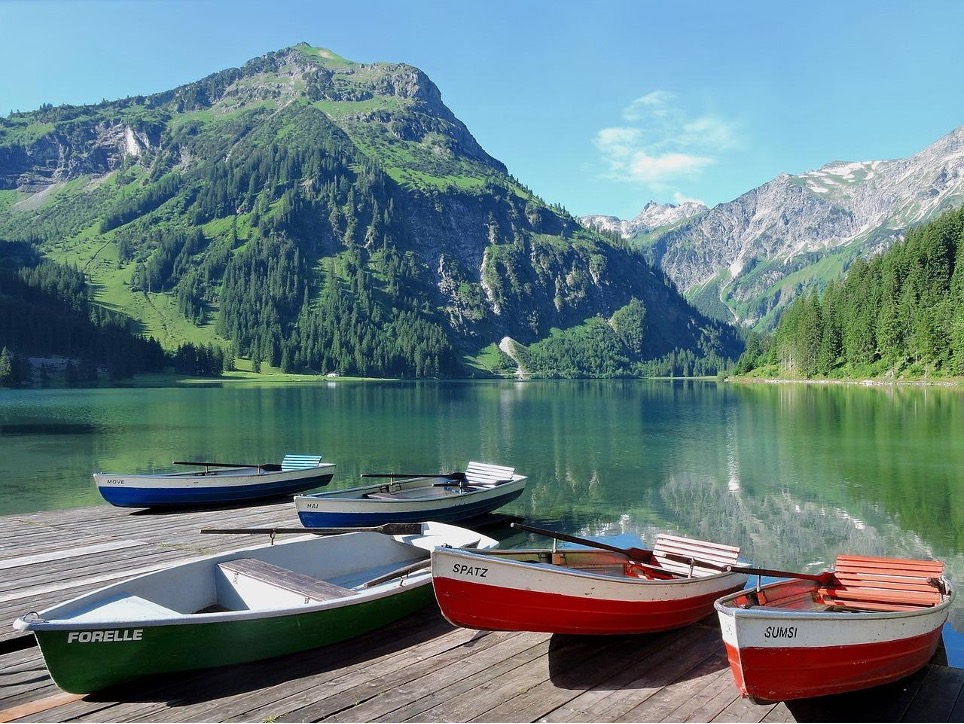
x,y
653,217
320,214
744,260
899,315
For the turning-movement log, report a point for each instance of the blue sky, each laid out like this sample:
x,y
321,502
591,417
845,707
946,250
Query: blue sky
x,y
598,106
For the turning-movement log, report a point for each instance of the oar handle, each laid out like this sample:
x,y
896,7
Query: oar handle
x,y
218,465
451,476
398,572
387,529
634,553
825,577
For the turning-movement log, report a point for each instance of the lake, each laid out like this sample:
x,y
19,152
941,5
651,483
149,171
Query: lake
x,y
792,473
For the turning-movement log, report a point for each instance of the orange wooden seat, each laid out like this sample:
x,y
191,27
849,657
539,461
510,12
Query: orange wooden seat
x,y
884,584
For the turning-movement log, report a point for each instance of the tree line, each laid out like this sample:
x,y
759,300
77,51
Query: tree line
x,y
899,314
45,311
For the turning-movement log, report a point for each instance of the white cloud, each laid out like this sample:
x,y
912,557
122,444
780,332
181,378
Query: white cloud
x,y
659,144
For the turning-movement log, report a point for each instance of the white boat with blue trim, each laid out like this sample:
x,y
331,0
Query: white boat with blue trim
x,y
408,498
216,484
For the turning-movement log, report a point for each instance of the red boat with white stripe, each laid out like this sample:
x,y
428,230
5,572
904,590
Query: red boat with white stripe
x,y
867,622
583,591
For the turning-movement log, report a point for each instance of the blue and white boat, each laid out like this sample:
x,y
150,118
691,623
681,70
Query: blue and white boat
x,y
412,498
216,484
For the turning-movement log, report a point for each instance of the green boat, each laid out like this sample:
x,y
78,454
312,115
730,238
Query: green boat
x,y
245,605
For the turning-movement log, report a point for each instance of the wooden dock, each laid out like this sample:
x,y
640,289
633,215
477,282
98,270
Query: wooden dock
x,y
419,669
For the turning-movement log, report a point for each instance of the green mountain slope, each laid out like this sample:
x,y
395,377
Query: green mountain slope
x,y
322,215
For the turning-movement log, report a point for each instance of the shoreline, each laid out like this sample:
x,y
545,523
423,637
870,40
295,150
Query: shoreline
x,y
865,382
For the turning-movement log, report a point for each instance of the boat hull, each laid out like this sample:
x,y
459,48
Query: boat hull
x,y
240,606
782,655
493,593
180,490
87,662
329,510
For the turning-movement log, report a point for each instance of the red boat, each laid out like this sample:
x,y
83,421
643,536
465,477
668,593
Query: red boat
x,y
583,591
867,622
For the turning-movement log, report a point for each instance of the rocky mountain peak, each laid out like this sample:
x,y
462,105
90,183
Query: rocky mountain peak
x,y
653,216
736,258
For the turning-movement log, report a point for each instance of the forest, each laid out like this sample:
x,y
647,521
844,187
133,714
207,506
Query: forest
x,y
898,315
45,310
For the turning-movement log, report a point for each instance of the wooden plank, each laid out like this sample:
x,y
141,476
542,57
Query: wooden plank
x,y
420,686
479,668
888,703
373,695
743,710
680,699
26,711
59,554
352,687
638,680
417,669
290,682
888,566
938,695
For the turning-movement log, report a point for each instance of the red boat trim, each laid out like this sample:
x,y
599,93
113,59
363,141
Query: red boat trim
x,y
480,606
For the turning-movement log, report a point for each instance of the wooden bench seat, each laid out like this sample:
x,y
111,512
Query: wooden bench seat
x,y
485,475
300,462
260,584
884,584
671,550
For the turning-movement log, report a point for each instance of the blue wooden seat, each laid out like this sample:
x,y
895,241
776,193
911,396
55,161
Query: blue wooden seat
x,y
300,462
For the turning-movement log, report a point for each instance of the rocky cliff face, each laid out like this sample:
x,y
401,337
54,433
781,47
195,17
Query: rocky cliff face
x,y
753,254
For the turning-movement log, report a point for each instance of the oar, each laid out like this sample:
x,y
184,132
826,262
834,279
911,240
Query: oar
x,y
822,578
218,465
634,554
450,476
386,528
398,572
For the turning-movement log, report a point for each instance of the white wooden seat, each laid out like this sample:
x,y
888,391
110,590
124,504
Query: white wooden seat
x,y
676,554
300,462
486,476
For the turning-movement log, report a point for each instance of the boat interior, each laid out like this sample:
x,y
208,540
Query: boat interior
x,y
252,584
665,561
477,476
283,575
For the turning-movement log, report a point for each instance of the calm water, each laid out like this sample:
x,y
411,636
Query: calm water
x,y
793,474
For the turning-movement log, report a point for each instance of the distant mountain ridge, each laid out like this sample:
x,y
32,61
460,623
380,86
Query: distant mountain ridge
x,y
744,260
653,216
321,214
